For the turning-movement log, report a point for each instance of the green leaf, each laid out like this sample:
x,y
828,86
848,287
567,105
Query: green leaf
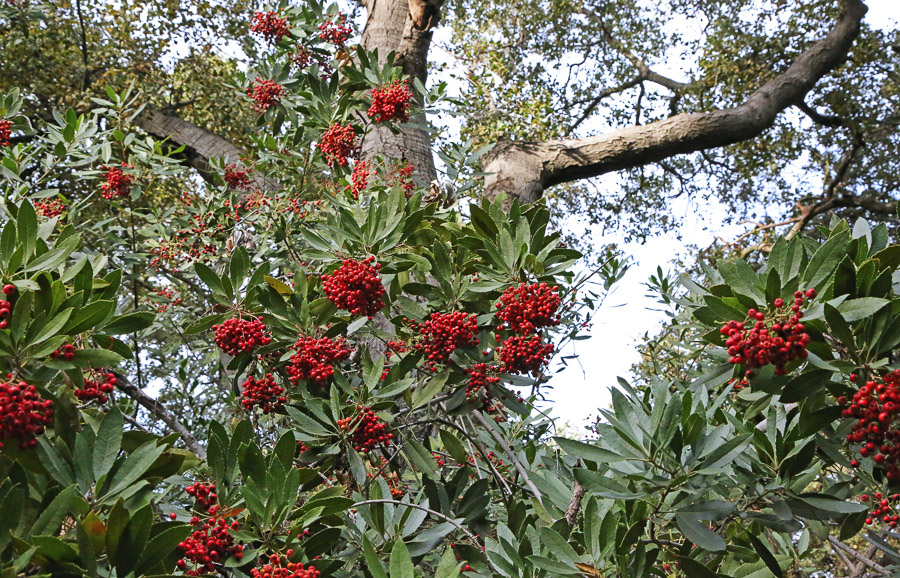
x,y
209,278
130,323
604,487
448,567
423,395
108,442
26,220
52,327
54,514
375,567
766,555
856,309
135,466
699,533
401,563
727,452
240,264
587,451
694,569
162,545
421,457
279,286
89,316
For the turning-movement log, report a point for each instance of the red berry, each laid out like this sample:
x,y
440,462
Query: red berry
x,y
356,287
391,102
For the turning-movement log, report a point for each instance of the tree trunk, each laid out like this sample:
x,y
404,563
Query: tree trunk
x,y
524,169
405,28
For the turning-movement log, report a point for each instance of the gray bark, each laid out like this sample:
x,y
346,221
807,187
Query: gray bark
x,y
525,169
405,28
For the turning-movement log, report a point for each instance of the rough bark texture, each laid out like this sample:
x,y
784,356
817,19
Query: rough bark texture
x,y
524,169
404,27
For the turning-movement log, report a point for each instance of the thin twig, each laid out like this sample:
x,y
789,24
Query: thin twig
x,y
867,561
159,410
509,452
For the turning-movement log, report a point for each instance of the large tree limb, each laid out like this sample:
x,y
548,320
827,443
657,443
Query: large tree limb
x,y
525,169
200,145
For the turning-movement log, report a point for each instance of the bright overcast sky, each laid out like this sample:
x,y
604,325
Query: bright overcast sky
x,y
627,315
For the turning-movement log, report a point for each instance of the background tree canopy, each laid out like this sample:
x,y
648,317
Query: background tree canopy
x,y
250,327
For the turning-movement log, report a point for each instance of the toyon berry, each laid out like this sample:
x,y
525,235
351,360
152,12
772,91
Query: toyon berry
x,y
49,209
281,567
315,358
526,308
118,183
443,333
391,102
368,430
238,335
755,343
270,25
9,289
525,354
264,394
204,494
23,414
356,287
237,177
338,143
875,409
266,93
5,132
97,389
209,546
359,179
335,29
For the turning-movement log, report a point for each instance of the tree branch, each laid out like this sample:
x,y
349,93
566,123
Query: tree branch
x,y
509,452
159,411
868,562
200,145
525,169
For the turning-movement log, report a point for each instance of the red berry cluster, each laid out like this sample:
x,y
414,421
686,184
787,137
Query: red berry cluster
x,y
263,393
97,388
118,183
6,306
401,175
335,30
270,25
265,92
480,380
209,546
23,414
876,407
305,57
237,335
204,494
524,354
881,509
778,343
315,359
356,287
49,209
279,567
359,179
5,132
161,298
391,102
237,177
66,353
370,431
443,333
529,307
338,143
